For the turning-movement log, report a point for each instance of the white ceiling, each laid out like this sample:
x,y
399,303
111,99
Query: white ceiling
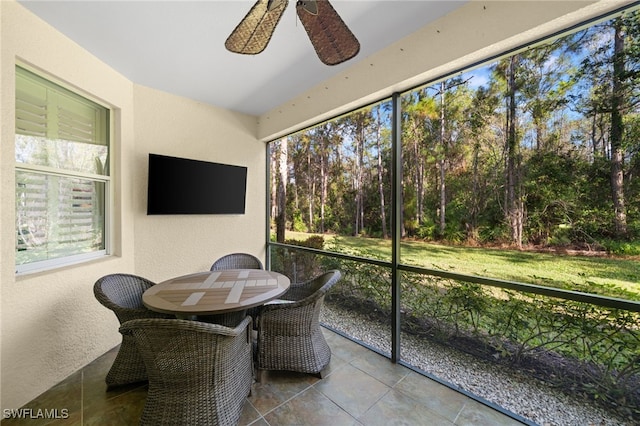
x,y
178,46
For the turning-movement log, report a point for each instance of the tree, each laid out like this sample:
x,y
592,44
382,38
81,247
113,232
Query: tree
x,y
505,73
617,103
358,125
380,169
483,120
420,111
281,196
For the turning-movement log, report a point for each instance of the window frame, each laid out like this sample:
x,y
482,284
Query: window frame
x,y
104,179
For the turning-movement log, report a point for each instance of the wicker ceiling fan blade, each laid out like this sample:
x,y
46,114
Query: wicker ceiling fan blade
x,y
253,33
332,40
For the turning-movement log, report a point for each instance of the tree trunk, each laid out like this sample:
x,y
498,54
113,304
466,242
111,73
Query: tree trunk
x,y
359,139
441,162
514,202
281,219
418,179
617,173
383,216
310,190
273,152
472,227
324,182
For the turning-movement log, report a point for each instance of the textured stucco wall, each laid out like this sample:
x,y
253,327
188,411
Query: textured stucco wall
x,y
51,323
167,246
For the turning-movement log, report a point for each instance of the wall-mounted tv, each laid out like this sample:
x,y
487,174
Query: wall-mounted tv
x,y
185,186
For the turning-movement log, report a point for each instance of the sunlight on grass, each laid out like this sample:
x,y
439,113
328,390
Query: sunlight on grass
x,y
605,276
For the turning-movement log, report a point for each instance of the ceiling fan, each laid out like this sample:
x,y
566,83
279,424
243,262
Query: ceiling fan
x,y
332,40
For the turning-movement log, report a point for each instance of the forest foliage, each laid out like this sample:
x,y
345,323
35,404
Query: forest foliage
x,y
540,148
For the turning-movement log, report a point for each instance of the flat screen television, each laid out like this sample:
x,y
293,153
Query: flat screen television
x,y
185,186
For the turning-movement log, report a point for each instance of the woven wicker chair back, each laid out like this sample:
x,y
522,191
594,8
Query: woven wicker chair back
x,y
199,373
289,334
122,294
121,290
237,261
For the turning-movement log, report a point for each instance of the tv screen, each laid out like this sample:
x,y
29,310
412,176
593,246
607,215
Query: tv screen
x,y
184,186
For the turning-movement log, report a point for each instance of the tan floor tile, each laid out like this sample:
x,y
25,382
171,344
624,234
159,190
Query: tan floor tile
x,y
346,349
381,368
397,409
260,422
101,365
310,408
249,414
39,418
94,375
476,414
335,363
352,389
434,396
124,408
278,387
61,403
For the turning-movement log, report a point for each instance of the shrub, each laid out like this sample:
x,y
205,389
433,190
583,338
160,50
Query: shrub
x,y
298,265
623,248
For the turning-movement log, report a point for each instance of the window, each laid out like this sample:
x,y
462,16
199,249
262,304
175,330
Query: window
x,y
62,174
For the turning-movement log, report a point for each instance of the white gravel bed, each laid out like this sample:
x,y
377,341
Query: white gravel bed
x,y
517,393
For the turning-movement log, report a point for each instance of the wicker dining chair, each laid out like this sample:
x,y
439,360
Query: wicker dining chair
x,y
237,261
199,373
289,334
233,261
122,293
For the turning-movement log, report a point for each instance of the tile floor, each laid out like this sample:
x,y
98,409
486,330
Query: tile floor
x,y
361,388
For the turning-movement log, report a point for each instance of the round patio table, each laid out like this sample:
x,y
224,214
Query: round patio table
x,y
215,292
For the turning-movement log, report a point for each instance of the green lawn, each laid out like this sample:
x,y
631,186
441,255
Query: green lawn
x,y
615,277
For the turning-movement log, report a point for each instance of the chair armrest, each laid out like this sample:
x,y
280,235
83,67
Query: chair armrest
x,y
203,327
